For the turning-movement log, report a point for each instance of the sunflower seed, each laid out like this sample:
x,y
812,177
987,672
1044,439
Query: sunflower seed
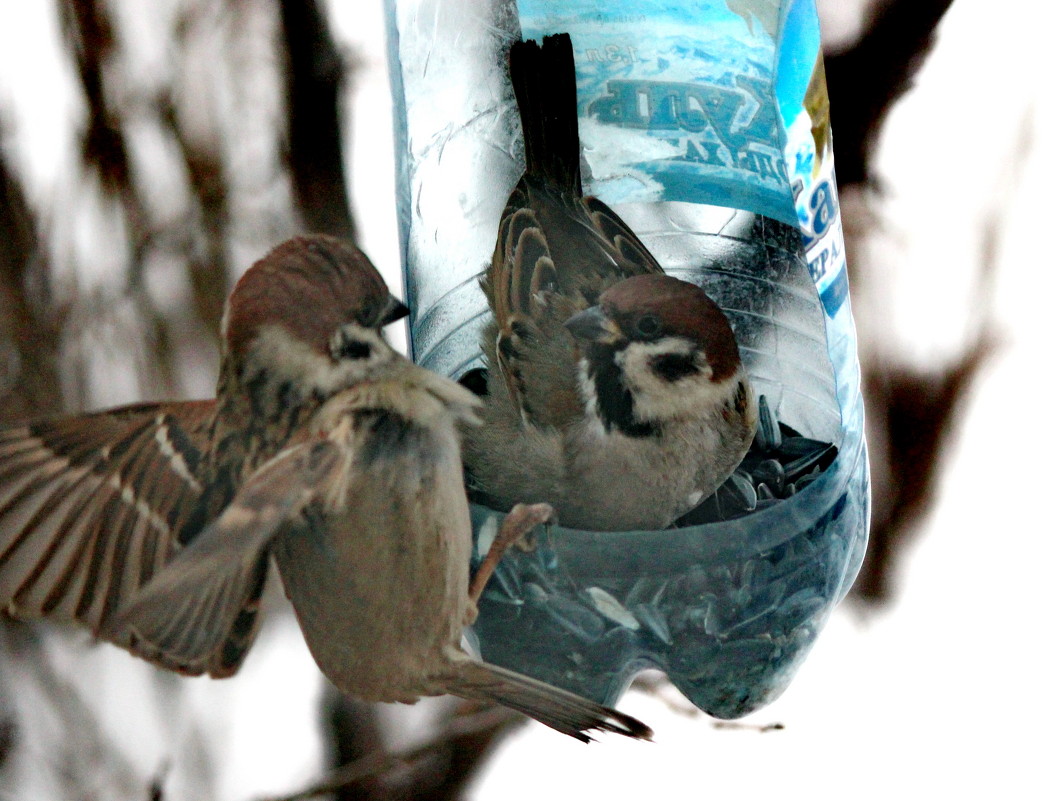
x,y
738,493
814,461
768,435
654,620
611,608
486,535
770,472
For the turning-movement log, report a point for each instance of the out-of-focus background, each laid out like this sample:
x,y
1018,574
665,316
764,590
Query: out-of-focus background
x,y
152,151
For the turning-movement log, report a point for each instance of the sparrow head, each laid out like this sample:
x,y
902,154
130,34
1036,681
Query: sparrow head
x,y
308,316
658,346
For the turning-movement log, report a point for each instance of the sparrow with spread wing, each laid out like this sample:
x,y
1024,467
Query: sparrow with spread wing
x,y
614,392
326,451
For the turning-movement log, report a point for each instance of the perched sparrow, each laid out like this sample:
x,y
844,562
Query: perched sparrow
x,y
325,450
624,415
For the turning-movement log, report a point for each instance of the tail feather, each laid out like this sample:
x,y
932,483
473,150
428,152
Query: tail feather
x,y
544,81
560,709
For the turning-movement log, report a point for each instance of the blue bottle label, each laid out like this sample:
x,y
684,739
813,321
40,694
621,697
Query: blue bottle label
x,y
717,102
802,94
683,110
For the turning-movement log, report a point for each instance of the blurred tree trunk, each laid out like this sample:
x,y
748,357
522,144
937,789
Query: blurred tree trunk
x,y
910,413
314,85
29,326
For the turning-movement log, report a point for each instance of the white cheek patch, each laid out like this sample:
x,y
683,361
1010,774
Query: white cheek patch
x,y
290,359
656,398
590,395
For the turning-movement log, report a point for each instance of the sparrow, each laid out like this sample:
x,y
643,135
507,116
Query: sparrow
x,y
325,451
614,392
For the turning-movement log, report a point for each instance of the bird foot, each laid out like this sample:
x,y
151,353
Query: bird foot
x,y
519,526
516,531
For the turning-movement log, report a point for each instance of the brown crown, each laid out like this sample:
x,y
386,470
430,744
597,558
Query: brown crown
x,y
308,285
684,310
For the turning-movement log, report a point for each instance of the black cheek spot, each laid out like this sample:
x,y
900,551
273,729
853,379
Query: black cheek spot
x,y
287,396
672,367
355,349
255,387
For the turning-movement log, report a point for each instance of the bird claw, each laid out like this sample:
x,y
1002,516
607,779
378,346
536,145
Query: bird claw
x,y
519,526
515,531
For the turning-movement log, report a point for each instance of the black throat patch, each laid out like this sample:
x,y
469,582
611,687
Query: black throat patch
x,y
613,399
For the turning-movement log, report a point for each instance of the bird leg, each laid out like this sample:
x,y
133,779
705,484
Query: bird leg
x,y
515,530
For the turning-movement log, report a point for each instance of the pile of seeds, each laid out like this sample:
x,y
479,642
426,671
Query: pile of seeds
x,y
729,630
779,463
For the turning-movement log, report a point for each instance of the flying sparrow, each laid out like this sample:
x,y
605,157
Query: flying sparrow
x,y
614,392
326,451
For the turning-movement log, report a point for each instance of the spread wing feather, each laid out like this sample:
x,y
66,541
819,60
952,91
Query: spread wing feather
x,y
91,508
186,613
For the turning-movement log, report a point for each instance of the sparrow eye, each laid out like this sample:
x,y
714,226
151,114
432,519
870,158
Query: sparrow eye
x,y
648,325
354,349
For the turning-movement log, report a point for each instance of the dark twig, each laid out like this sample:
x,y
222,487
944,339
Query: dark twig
x,y
352,731
29,376
207,269
866,79
463,735
919,412
91,37
90,34
922,410
916,410
313,82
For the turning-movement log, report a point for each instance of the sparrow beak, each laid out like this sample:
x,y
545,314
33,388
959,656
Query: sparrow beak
x,y
396,310
594,326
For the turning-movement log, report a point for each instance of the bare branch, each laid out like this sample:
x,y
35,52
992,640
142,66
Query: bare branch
x,y
314,79
466,735
29,377
865,80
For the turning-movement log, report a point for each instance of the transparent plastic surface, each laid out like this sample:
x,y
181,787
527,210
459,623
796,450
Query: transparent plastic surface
x,y
727,609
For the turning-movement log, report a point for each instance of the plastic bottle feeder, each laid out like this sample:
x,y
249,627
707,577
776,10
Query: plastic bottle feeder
x,y
706,129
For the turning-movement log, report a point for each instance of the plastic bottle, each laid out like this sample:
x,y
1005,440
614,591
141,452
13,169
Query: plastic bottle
x,y
704,124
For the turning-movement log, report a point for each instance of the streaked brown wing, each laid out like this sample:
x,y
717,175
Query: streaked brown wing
x,y
554,256
188,612
519,283
91,506
620,242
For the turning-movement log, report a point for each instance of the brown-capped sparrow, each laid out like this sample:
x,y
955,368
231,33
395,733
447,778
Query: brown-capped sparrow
x,y
327,451
613,392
